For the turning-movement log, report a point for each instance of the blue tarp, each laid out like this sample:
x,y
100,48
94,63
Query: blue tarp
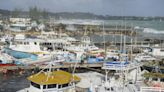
x,y
117,62
94,60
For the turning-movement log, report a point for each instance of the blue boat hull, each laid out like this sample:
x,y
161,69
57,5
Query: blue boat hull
x,y
19,54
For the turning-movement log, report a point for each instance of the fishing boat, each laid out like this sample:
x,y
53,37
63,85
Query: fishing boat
x,y
23,44
7,64
111,53
56,81
19,54
37,46
144,57
52,81
19,27
84,45
124,79
126,72
6,60
154,80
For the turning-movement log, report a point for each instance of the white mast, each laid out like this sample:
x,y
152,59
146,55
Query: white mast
x,y
121,42
131,44
125,38
104,38
115,35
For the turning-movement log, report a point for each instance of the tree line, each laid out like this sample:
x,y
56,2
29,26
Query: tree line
x,y
37,13
33,12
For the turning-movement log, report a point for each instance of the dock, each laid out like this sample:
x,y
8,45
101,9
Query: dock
x,y
65,65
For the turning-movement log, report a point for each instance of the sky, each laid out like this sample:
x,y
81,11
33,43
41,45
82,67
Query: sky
x,y
100,7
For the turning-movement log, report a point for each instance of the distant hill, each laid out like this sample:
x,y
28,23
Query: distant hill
x,y
83,15
4,12
59,15
74,15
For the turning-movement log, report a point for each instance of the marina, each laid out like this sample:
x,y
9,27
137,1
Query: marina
x,y
43,49
117,60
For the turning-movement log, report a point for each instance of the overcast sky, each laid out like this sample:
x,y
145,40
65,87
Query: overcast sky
x,y
101,7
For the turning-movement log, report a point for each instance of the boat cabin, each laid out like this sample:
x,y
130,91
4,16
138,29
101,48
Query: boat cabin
x,y
54,81
152,79
157,51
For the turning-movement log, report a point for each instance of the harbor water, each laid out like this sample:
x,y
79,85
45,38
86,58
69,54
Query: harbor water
x,y
13,82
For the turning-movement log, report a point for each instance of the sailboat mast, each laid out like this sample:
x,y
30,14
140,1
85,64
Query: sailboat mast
x,y
125,39
131,44
104,38
124,43
115,35
121,42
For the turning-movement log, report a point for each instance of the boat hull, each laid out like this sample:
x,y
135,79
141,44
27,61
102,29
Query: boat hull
x,y
19,54
3,65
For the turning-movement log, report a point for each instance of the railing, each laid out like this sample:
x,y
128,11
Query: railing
x,y
120,66
151,89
